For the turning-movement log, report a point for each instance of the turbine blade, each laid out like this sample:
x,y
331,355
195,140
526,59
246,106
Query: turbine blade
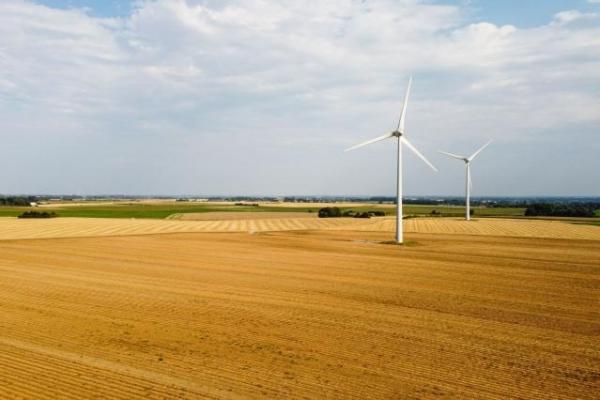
x,y
452,155
403,113
478,151
414,149
377,139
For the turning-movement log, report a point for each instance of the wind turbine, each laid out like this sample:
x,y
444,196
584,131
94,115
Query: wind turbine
x,y
401,139
468,183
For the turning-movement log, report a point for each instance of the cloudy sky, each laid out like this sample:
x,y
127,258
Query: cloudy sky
x,y
261,97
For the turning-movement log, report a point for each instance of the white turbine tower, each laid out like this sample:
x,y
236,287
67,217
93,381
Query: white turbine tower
x,y
401,139
468,183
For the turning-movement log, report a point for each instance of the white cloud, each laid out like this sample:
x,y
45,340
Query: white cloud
x,y
278,76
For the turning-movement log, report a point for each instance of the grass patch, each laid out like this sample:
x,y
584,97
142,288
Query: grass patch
x,y
152,211
163,210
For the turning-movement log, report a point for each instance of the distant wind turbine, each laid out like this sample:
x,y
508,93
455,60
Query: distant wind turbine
x,y
401,139
468,182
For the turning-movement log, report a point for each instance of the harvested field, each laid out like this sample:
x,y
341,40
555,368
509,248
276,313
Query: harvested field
x,y
297,315
323,204
496,227
239,215
12,228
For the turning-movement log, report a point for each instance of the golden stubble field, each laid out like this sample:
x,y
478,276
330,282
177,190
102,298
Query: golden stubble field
x,y
14,228
299,314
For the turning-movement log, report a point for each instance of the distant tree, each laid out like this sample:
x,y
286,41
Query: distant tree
x,y
330,212
364,214
377,213
38,214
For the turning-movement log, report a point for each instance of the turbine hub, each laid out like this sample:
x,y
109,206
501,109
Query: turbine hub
x,y
397,133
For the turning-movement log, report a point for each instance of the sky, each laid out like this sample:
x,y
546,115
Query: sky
x,y
256,97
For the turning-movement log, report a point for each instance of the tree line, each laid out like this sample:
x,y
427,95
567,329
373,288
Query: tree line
x,y
562,210
336,212
38,214
18,201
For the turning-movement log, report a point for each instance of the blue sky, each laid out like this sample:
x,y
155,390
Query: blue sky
x,y
101,8
261,97
521,13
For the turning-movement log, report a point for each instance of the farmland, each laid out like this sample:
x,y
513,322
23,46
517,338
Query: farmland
x,y
161,210
168,309
12,228
77,227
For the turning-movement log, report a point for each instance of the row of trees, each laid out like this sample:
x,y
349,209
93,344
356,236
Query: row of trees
x,y
336,212
330,212
24,201
562,210
38,214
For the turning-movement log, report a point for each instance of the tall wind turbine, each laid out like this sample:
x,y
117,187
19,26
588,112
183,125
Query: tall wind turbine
x,y
401,139
468,183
